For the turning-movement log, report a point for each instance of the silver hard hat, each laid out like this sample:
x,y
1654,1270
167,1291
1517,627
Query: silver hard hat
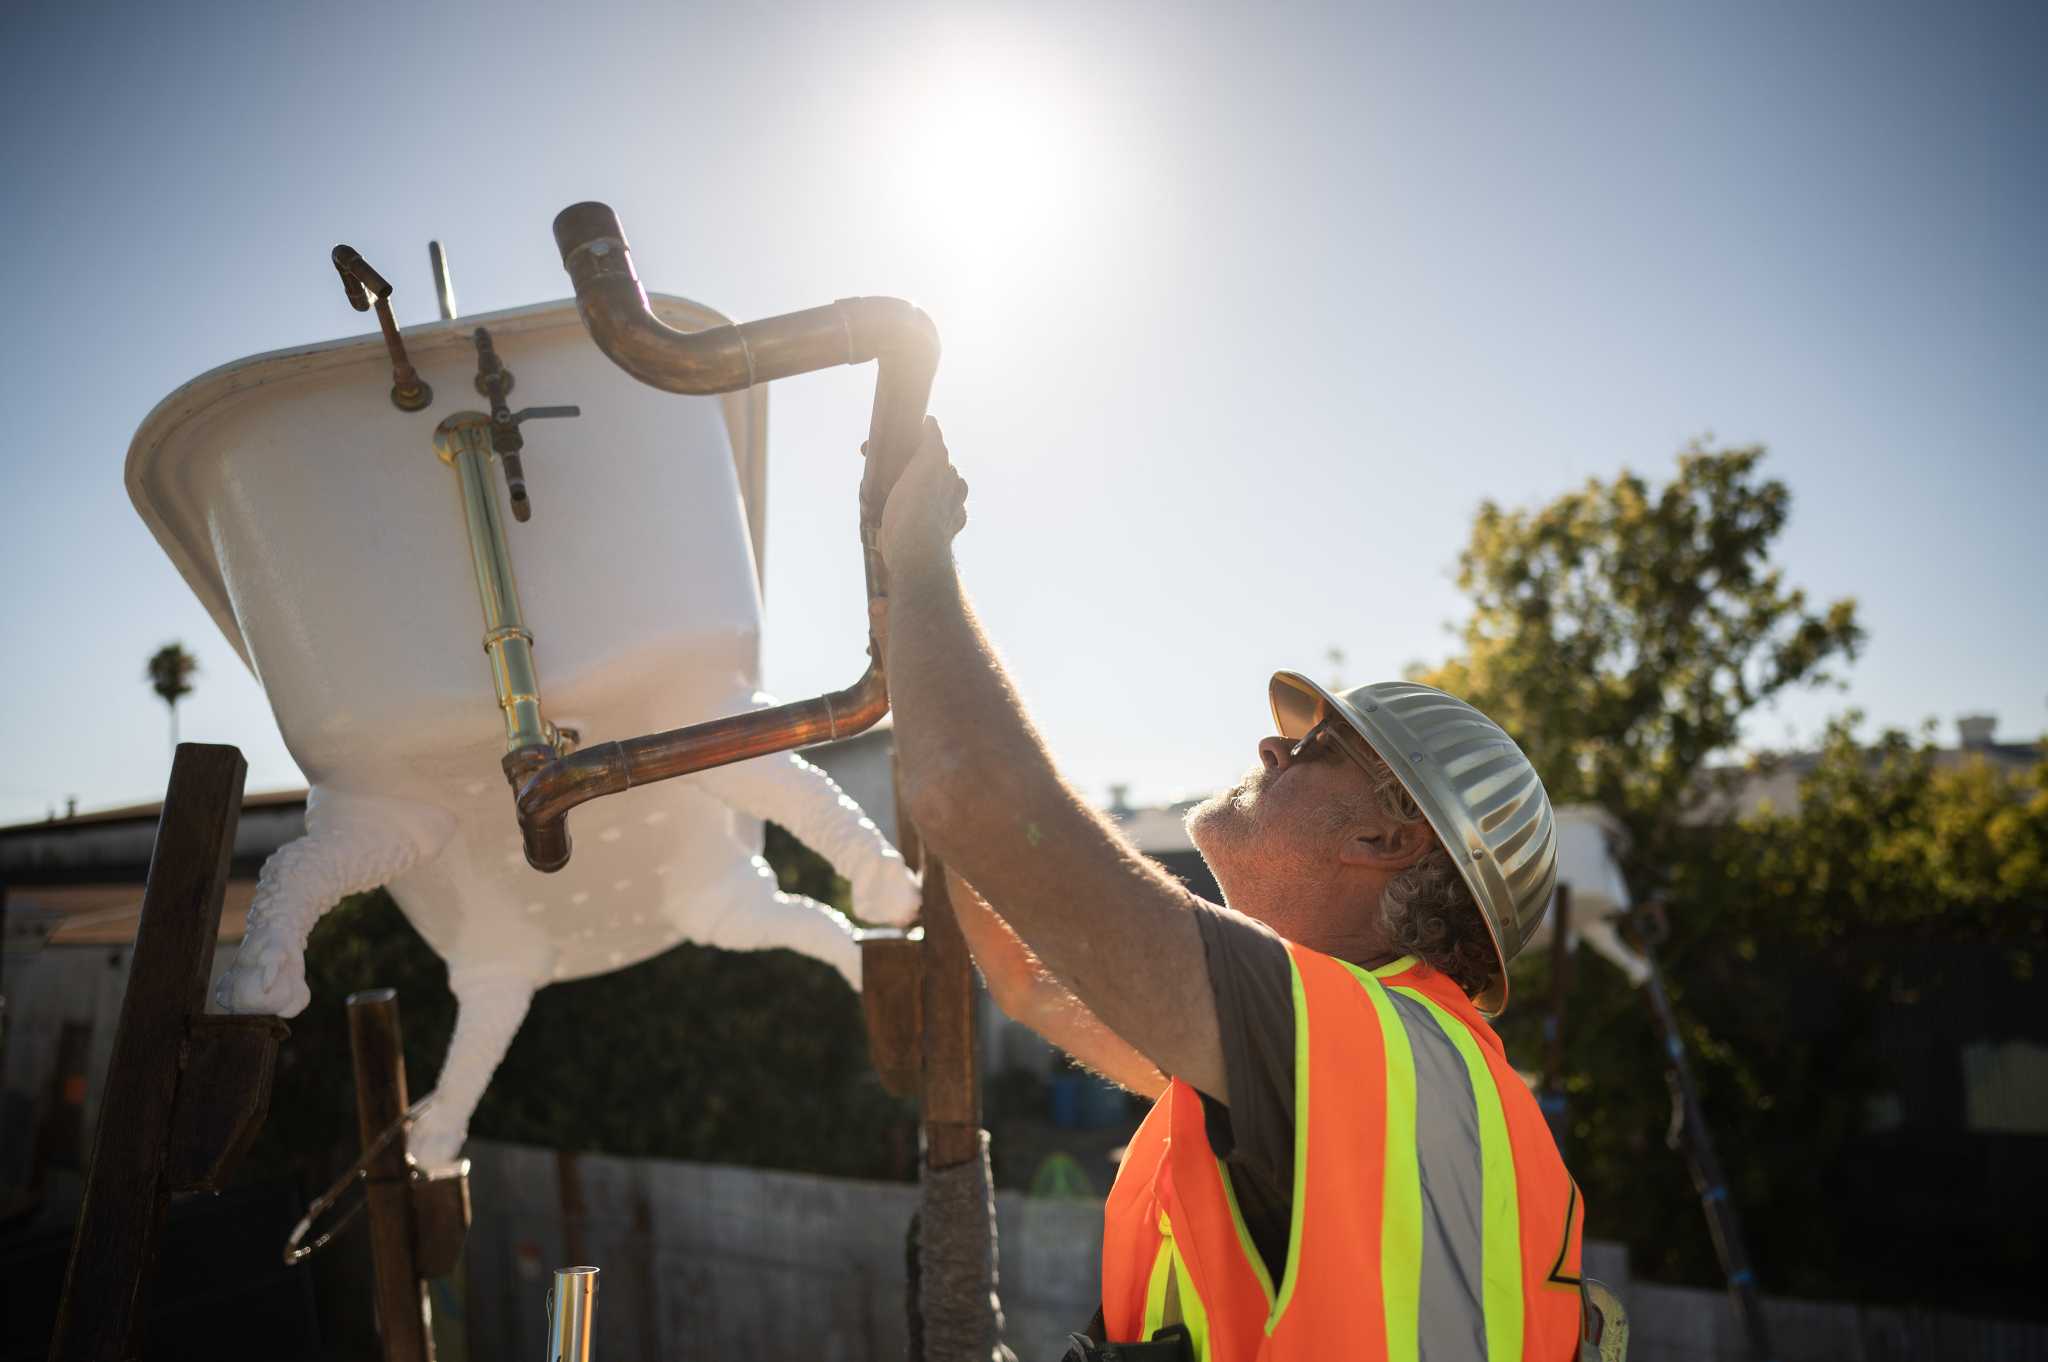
x,y
1471,781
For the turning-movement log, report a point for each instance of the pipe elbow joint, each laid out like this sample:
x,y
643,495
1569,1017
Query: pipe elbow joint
x,y
546,843
533,773
891,330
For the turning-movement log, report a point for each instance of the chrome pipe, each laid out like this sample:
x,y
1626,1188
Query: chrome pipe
x,y
444,285
463,442
615,311
572,1302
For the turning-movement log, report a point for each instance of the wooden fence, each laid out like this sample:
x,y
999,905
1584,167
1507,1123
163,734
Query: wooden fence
x,y
707,1261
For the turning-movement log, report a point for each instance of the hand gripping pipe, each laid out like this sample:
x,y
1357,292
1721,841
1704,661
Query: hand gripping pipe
x,y
725,359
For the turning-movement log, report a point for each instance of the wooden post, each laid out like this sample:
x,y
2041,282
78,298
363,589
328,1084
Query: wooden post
x,y
952,1107
949,1098
128,1183
948,1086
376,1044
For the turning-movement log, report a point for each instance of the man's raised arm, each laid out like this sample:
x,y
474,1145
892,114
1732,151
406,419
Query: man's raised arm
x,y
1116,930
1028,993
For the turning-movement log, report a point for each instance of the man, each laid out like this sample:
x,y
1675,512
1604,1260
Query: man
x,y
1341,1162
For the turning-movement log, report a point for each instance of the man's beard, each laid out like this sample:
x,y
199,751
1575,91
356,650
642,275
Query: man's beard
x,y
1226,818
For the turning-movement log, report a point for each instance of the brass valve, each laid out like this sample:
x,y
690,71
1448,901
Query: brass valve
x,y
495,381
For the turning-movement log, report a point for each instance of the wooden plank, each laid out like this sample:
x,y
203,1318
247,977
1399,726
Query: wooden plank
x,y
223,1096
126,1188
892,1004
375,1042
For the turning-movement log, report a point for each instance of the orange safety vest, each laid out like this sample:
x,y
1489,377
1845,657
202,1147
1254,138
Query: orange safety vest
x,y
1433,1219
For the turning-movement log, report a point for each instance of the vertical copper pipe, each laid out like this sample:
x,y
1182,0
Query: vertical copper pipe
x,y
615,310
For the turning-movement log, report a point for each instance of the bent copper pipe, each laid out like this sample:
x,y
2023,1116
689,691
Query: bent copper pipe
x,y
725,359
547,795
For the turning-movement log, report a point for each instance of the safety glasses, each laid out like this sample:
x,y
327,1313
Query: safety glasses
x,y
1332,732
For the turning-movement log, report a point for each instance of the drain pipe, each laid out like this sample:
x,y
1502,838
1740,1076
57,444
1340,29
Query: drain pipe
x,y
725,359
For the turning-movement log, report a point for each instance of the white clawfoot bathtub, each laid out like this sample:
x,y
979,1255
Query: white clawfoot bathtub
x,y
327,540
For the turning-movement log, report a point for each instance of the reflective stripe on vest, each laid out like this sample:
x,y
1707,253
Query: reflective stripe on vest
x,y
1422,1168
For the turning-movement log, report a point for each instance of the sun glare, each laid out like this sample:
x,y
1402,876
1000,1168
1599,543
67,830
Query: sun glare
x,y
992,172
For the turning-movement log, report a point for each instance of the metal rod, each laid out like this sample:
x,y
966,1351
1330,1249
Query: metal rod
x,y
1691,1133
725,359
1552,1099
444,287
571,1305
376,1045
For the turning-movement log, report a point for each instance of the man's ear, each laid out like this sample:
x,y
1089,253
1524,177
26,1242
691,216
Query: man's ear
x,y
1387,844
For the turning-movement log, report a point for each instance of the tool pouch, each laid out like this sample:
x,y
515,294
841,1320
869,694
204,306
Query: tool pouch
x,y
1170,1344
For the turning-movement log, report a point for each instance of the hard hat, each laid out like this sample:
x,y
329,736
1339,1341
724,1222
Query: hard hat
x,y
1471,781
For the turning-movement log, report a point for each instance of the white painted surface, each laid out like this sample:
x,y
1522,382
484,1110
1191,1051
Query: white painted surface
x,y
326,538
1586,836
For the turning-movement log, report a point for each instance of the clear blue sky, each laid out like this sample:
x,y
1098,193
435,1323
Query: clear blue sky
x,y
1243,316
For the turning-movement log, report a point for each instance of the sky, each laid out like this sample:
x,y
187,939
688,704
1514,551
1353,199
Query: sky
x,y
1245,311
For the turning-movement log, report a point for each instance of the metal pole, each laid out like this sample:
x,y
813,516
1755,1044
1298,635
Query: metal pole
x,y
375,1041
1552,1098
571,1305
1692,1136
444,287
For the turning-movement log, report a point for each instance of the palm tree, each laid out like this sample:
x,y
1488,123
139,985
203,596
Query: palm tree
x,y
170,675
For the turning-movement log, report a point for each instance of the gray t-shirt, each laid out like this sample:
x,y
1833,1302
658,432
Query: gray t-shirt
x,y
1254,1136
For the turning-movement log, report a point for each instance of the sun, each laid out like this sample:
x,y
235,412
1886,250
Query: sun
x,y
992,172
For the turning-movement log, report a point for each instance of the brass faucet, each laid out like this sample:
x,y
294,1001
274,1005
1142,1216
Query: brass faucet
x,y
366,288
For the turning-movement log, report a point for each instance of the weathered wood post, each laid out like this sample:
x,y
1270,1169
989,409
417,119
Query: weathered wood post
x,y
924,1043
951,1088
376,1044
184,1092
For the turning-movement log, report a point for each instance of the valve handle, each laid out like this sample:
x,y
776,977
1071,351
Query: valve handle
x,y
544,413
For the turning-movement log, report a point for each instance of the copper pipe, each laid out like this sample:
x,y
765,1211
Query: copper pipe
x,y
728,358
552,789
725,359
367,288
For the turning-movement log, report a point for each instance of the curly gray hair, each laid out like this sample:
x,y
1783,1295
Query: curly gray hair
x,y
1429,911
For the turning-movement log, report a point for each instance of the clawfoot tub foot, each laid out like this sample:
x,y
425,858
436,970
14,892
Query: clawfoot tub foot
x,y
491,1003
353,843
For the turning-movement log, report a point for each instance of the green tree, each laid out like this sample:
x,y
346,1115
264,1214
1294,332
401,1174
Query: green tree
x,y
1816,953
1624,633
169,673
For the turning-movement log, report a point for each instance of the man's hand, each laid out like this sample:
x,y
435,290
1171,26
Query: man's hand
x,y
926,508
